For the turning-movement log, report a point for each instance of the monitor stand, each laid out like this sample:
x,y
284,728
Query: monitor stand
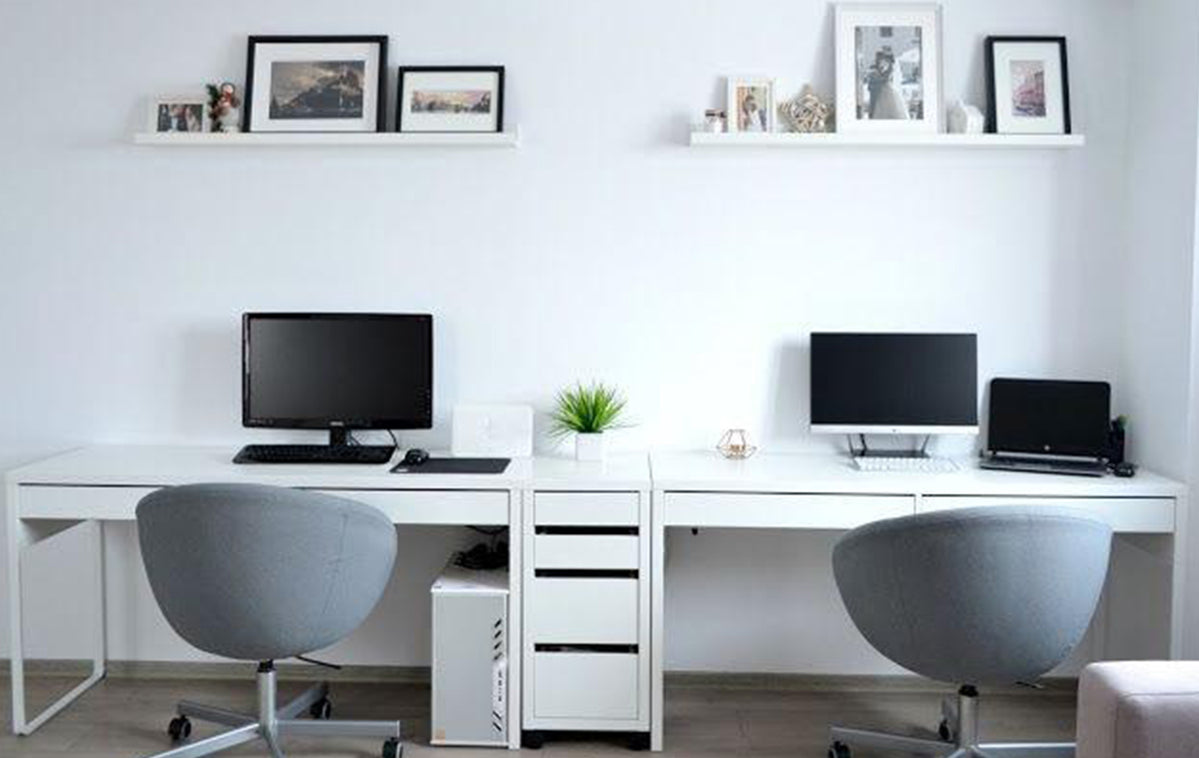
x,y
866,452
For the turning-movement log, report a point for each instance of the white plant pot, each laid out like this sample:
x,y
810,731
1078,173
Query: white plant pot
x,y
589,447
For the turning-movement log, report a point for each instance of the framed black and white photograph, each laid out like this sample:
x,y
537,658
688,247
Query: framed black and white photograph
x,y
749,102
1028,87
450,99
316,84
888,67
179,113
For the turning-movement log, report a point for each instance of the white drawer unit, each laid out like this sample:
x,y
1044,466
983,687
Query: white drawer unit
x,y
586,601
587,508
586,687
1145,515
587,551
783,510
583,611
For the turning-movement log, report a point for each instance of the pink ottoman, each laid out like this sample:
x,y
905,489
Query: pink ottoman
x,y
1139,709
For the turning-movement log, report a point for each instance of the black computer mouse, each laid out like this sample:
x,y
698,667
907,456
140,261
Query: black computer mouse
x,y
1124,468
415,457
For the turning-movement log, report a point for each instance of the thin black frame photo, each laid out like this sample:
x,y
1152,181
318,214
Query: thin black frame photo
x,y
992,126
499,110
381,40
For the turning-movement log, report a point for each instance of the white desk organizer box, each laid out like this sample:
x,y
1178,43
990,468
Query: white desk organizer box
x,y
502,431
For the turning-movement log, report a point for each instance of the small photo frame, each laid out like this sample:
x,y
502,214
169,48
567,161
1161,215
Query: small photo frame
x,y
888,67
1028,86
179,114
450,99
749,104
316,84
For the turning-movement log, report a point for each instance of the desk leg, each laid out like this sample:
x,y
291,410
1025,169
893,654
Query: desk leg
x,y
516,541
100,593
21,536
1178,577
657,625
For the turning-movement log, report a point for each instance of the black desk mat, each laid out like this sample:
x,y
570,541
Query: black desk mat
x,y
455,466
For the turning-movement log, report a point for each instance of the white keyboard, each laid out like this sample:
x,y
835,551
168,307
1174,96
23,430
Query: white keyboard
x,y
917,465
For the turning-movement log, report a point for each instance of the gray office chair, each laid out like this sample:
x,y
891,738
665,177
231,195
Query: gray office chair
x,y
975,597
259,573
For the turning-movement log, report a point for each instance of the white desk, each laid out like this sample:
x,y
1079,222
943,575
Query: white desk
x,y
86,488
821,491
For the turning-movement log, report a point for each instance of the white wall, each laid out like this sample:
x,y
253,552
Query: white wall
x,y
601,248
1156,378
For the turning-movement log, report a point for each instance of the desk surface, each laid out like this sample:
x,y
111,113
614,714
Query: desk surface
x,y
161,465
685,472
817,473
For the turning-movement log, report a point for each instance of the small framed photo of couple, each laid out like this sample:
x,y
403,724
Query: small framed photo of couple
x,y
450,99
888,67
1028,91
179,113
750,104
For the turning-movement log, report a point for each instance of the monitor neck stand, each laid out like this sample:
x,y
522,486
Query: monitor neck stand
x,y
866,452
339,436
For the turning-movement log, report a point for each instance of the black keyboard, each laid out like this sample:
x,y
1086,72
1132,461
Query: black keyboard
x,y
1041,466
375,454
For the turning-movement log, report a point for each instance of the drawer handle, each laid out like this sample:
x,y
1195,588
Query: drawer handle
x,y
585,574
593,530
613,649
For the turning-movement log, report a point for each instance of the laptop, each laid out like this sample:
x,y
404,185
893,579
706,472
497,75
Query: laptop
x,y
1048,426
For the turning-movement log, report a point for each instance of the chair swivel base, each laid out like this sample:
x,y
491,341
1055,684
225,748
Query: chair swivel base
x,y
959,737
271,723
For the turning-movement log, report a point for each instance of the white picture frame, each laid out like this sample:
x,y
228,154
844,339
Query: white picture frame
x,y
738,93
888,68
178,114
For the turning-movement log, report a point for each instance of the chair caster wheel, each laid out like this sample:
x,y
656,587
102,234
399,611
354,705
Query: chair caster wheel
x,y
322,710
639,741
179,729
532,740
944,732
838,750
392,748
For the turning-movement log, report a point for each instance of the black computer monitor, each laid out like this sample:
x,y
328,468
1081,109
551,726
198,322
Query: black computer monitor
x,y
894,383
337,371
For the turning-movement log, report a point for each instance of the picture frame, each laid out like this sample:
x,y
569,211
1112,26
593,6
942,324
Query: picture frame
x,y
749,104
1028,85
179,114
888,67
450,99
316,83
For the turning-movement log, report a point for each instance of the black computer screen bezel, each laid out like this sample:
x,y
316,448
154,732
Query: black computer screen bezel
x,y
424,421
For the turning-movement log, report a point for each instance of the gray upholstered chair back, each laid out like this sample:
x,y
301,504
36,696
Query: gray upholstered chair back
x,y
977,596
257,573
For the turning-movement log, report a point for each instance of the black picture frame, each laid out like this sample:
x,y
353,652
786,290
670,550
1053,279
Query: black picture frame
x,y
992,124
380,87
497,70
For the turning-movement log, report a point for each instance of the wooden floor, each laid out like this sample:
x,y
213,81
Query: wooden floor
x,y
128,717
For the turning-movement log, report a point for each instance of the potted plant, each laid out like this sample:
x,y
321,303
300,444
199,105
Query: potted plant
x,y
587,412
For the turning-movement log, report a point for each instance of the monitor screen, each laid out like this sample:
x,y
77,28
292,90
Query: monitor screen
x,y
327,370
1049,417
894,383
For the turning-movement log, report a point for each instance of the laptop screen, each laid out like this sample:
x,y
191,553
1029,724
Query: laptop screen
x,y
1049,417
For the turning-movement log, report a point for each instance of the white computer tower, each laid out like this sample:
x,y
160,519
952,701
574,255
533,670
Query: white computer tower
x,y
470,658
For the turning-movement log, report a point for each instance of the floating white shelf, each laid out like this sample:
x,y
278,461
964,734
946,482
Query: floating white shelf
x,y
792,140
354,139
